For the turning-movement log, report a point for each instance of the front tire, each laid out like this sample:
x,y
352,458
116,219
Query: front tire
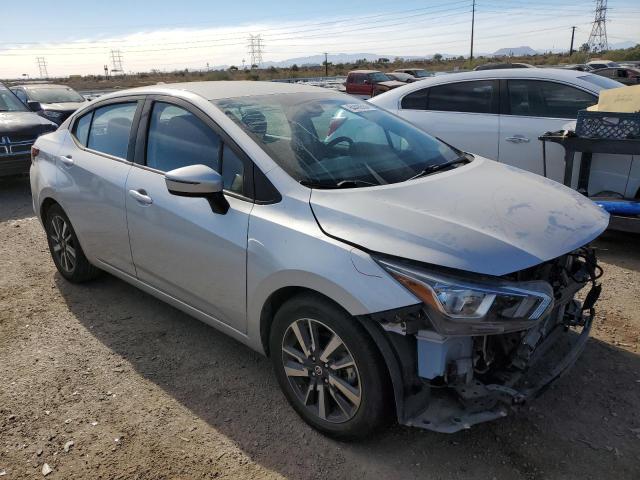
x,y
329,368
65,248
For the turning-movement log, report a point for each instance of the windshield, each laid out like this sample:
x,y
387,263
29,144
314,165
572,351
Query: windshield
x,y
325,139
9,102
423,74
378,77
602,82
54,95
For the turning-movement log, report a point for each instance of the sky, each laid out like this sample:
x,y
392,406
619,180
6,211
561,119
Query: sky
x,y
76,37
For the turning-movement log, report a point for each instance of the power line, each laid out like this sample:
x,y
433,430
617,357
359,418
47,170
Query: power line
x,y
598,38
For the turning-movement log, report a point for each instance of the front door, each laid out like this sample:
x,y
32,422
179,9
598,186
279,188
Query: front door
x,y
533,107
179,245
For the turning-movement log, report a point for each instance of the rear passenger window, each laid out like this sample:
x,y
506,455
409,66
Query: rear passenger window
x,y
177,138
534,98
81,128
111,129
474,97
416,100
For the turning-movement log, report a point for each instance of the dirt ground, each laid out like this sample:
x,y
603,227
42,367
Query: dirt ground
x,y
144,391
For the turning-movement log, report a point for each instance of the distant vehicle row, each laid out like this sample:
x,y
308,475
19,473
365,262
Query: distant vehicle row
x,y
369,83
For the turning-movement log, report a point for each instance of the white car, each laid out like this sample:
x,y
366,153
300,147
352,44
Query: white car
x,y
500,114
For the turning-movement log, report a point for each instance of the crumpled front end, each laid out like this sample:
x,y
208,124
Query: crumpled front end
x,y
464,379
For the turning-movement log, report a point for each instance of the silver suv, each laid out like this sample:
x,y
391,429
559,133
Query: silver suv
x,y
386,273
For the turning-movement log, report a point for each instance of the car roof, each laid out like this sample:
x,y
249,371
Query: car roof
x,y
39,85
215,90
364,71
544,73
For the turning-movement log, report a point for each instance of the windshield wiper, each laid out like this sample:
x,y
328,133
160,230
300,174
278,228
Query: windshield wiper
x,y
441,166
348,183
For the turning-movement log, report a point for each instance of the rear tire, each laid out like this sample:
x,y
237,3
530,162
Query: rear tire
x,y
329,368
65,248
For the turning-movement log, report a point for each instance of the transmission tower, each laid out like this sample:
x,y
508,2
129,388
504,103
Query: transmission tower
x,y
255,50
598,37
42,67
116,62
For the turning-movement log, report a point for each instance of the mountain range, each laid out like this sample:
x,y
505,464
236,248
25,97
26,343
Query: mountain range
x,y
314,60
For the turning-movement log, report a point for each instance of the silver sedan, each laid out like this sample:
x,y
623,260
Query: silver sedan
x,y
386,273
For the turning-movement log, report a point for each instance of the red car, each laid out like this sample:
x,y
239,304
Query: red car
x,y
369,83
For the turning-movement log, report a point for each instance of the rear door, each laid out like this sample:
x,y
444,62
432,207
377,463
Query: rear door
x,y
463,114
179,245
93,164
531,108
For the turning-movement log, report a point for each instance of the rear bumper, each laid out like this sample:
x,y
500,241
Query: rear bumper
x,y
17,165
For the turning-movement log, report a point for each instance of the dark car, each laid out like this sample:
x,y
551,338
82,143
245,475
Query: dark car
x,y
369,83
54,102
402,77
499,66
418,73
626,75
19,129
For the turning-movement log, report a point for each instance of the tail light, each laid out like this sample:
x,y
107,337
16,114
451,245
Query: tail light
x,y
35,151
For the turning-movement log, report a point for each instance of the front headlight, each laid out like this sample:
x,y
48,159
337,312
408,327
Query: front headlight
x,y
462,306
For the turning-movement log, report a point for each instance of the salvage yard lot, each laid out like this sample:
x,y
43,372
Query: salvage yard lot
x,y
145,391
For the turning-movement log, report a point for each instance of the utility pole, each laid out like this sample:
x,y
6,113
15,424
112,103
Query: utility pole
x,y
106,71
598,38
116,60
573,32
42,67
255,50
326,65
473,21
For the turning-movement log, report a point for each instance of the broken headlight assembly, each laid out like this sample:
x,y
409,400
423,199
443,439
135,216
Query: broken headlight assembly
x,y
473,306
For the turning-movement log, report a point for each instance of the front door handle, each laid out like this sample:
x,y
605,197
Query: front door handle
x,y
517,139
67,160
141,197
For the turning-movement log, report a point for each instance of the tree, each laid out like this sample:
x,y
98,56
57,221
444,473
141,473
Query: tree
x,y
383,60
233,68
295,67
584,47
437,57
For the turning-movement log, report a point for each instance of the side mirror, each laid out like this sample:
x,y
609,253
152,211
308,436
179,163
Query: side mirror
x,y
34,106
367,82
198,181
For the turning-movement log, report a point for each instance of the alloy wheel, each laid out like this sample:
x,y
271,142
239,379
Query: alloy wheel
x,y
63,246
321,370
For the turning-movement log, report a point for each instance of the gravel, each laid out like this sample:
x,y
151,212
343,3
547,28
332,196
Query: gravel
x,y
151,393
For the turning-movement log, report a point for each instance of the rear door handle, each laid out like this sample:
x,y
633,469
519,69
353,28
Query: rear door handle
x,y
517,139
141,197
67,160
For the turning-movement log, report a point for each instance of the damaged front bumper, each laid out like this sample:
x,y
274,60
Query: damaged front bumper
x,y
449,383
467,404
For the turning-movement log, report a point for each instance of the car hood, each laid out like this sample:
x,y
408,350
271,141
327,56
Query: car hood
x,y
484,217
24,123
391,83
63,107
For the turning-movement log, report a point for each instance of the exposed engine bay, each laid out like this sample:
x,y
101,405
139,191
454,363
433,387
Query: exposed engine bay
x,y
464,380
